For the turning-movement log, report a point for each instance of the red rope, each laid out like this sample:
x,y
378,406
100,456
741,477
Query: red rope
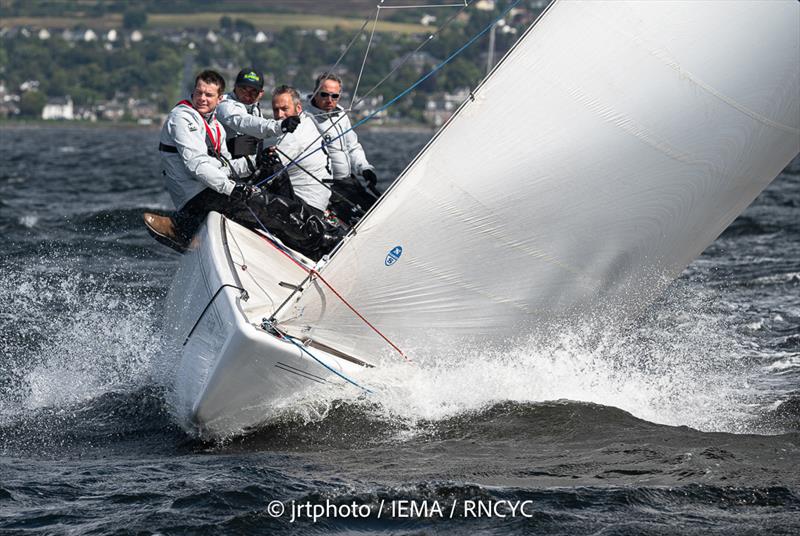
x,y
274,245
367,322
313,272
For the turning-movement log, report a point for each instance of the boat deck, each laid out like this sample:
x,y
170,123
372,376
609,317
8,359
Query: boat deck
x,y
268,274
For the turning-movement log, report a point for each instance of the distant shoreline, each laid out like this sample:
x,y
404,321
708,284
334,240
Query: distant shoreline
x,y
24,124
36,123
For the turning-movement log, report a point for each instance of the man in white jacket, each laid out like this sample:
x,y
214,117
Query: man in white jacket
x,y
302,151
201,176
348,160
240,113
195,161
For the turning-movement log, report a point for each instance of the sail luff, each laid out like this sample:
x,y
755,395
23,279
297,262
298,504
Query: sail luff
x,y
399,178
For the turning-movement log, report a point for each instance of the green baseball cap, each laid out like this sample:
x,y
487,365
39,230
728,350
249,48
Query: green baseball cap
x,y
250,77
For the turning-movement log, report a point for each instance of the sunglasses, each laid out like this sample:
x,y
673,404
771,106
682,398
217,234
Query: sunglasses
x,y
325,95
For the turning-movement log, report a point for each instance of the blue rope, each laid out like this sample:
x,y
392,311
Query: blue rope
x,y
404,92
315,358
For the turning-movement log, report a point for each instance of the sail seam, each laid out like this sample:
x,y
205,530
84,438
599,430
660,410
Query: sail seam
x,y
673,64
721,96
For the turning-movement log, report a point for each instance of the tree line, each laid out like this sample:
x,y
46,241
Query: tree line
x,y
94,72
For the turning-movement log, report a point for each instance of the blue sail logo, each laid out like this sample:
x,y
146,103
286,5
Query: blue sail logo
x,y
393,256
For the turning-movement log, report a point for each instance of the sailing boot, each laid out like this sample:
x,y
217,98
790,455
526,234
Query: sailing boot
x,y
164,230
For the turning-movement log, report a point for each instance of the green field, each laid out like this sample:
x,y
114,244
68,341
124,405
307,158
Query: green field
x,y
278,21
262,21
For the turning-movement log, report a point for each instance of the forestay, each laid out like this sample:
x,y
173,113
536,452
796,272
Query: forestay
x,y
605,152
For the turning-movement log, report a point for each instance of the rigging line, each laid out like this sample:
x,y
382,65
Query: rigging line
x,y
341,57
318,360
359,315
303,153
311,99
409,55
366,52
273,239
232,238
404,92
354,102
331,70
307,172
434,70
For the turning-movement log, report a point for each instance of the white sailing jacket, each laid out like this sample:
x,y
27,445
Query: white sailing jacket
x,y
346,154
239,118
314,160
190,169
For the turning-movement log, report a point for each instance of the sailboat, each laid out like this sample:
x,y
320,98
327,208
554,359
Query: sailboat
x,y
608,148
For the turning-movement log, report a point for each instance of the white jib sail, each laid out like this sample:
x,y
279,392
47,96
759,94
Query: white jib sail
x,y
612,145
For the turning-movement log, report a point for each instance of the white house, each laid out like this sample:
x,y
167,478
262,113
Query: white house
x,y
427,20
58,108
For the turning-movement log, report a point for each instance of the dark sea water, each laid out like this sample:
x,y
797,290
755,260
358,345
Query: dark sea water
x,y
686,423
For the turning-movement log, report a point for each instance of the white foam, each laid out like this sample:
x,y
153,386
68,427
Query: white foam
x,y
90,340
29,220
681,367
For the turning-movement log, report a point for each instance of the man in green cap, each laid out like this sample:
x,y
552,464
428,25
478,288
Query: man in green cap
x,y
240,114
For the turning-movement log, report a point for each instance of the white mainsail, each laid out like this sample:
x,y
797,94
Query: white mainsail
x,y
611,146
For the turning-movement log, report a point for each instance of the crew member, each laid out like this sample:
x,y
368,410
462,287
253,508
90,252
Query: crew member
x,y
240,114
201,176
348,161
302,151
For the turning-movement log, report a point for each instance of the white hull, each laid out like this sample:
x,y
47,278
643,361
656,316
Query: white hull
x,y
231,373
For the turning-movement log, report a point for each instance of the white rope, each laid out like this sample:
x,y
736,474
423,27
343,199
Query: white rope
x,y
366,53
342,55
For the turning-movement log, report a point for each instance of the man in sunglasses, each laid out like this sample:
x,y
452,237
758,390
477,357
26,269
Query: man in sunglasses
x,y
240,114
348,161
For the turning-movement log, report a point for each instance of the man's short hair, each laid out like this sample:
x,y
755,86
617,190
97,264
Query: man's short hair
x,y
281,90
211,77
327,76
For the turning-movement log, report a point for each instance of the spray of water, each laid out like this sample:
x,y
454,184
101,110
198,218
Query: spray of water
x,y
69,337
682,364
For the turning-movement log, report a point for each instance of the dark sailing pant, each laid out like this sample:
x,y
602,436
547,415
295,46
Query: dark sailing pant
x,y
298,225
350,189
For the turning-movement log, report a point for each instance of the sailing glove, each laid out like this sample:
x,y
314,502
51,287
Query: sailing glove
x,y
290,123
244,192
370,177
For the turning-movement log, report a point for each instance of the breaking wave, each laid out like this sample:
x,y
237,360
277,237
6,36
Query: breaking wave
x,y
70,336
684,364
